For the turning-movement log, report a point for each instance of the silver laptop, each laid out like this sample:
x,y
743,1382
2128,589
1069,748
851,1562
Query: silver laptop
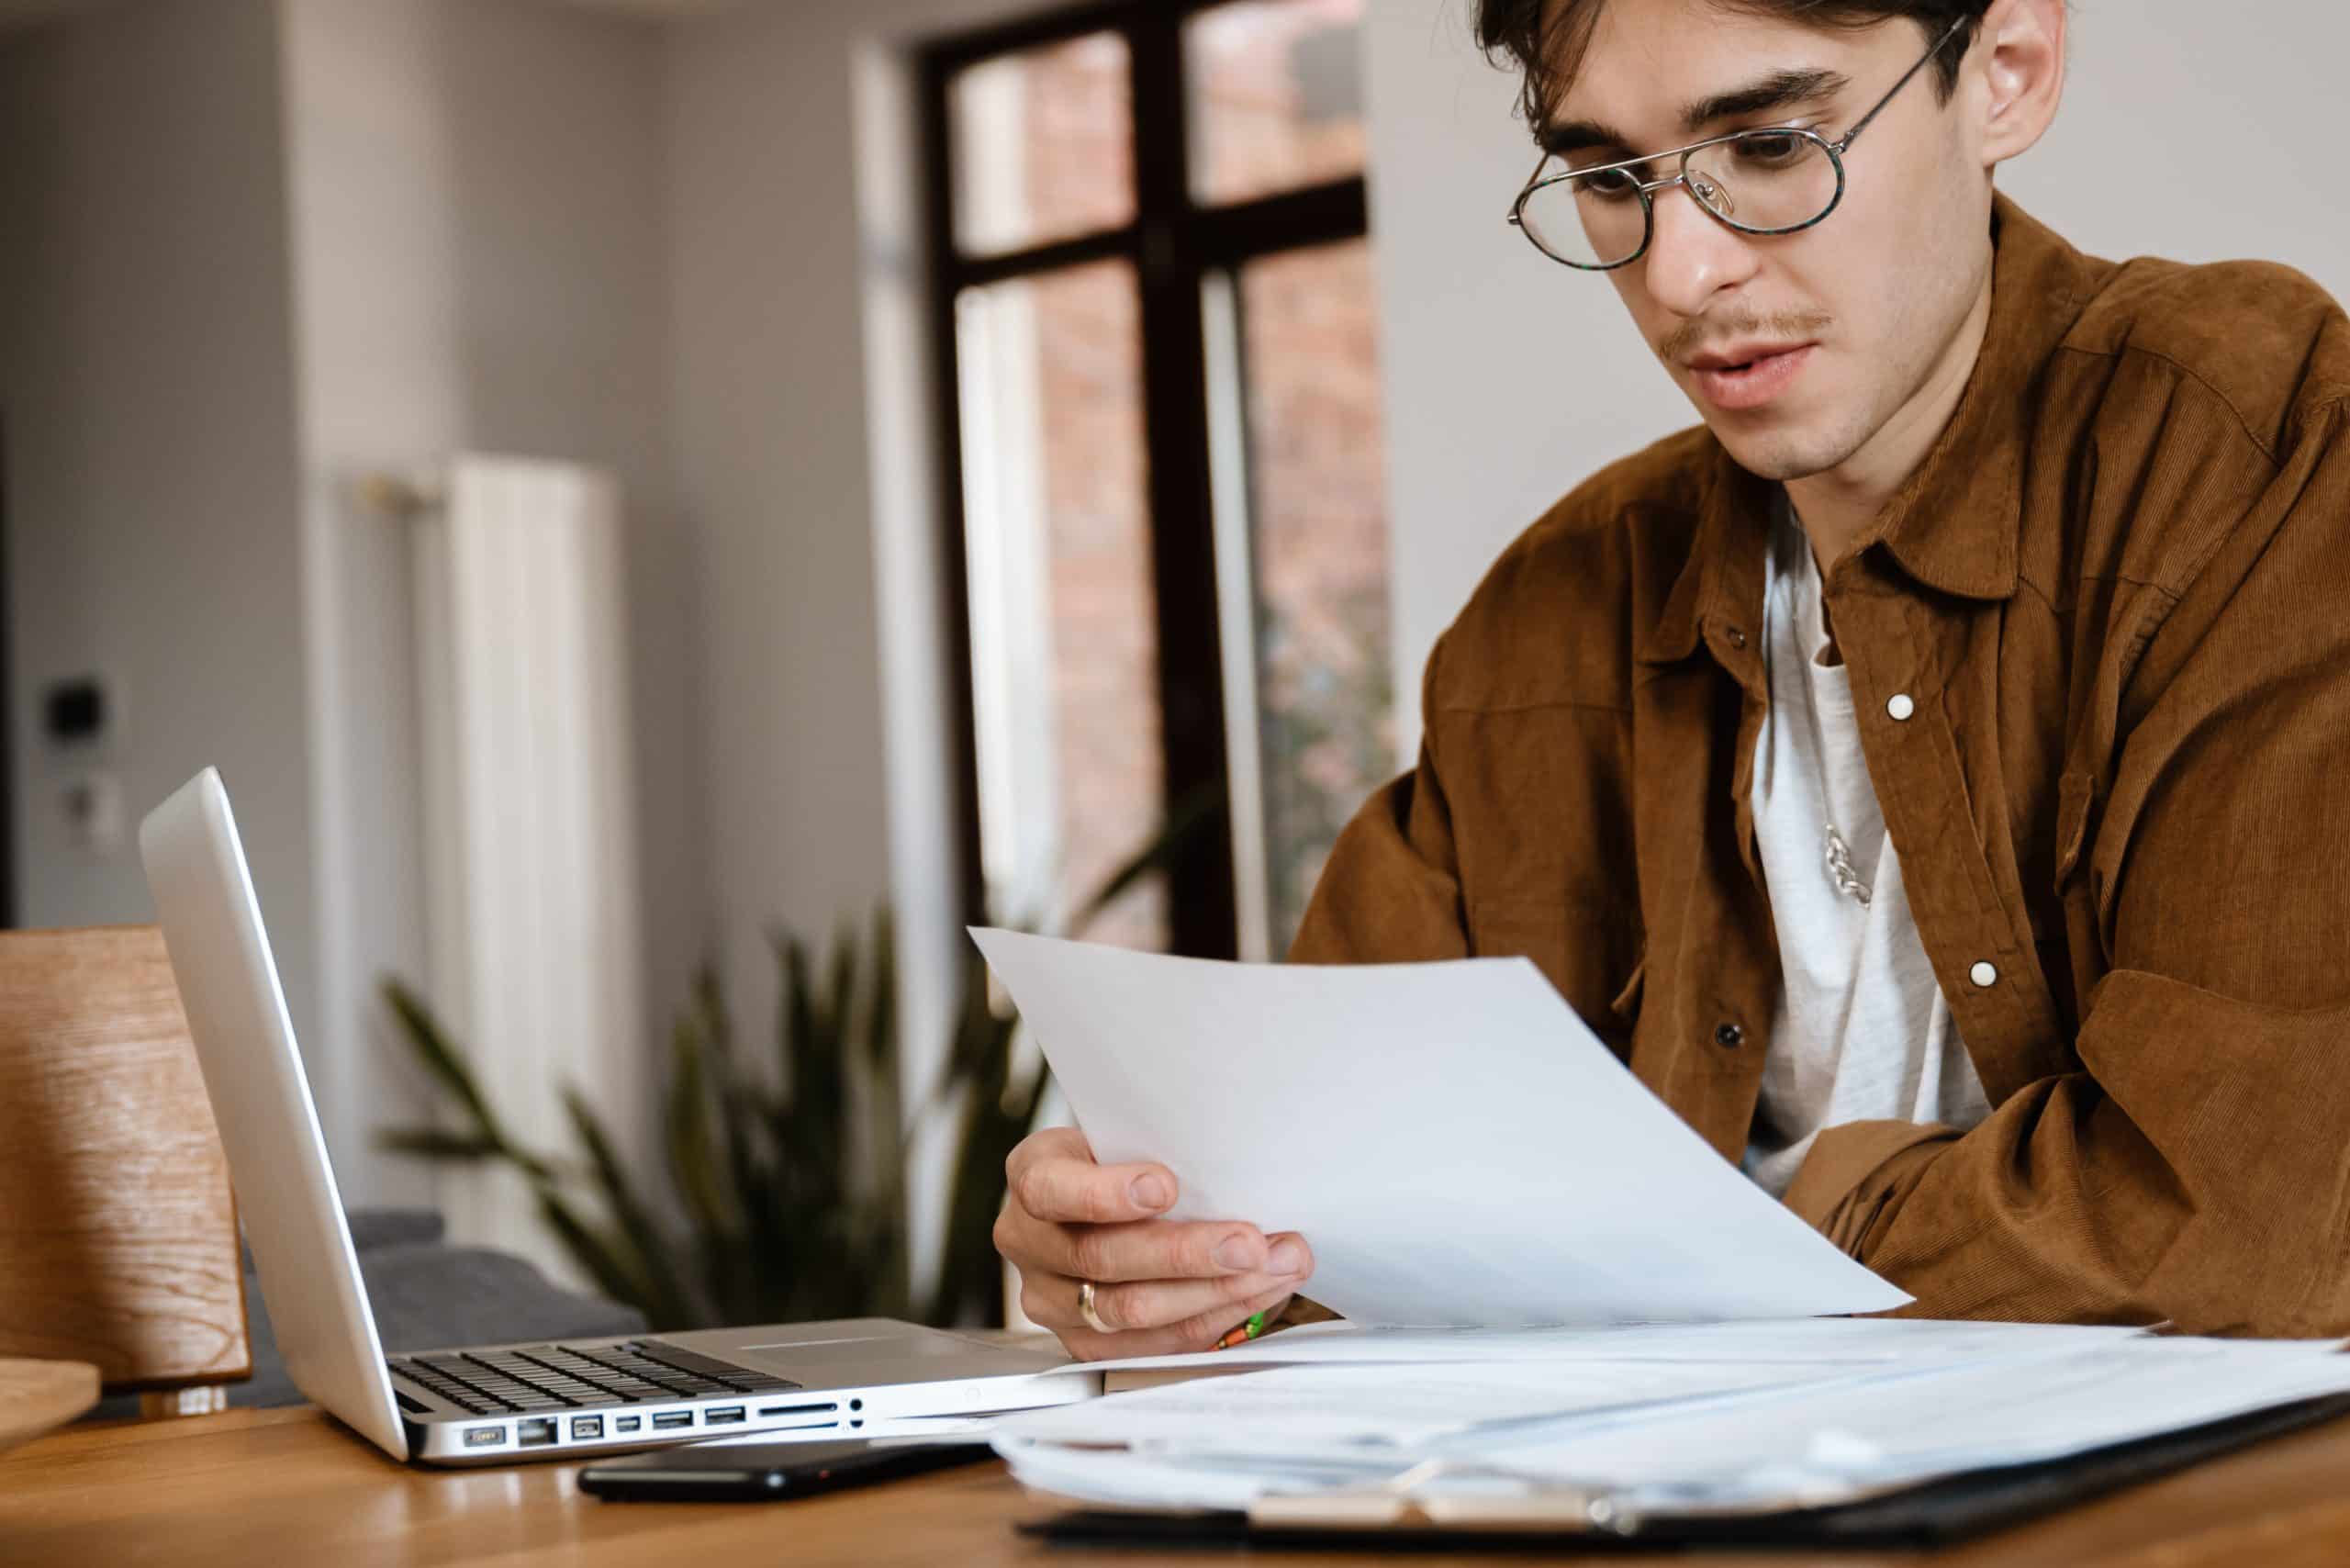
x,y
861,1377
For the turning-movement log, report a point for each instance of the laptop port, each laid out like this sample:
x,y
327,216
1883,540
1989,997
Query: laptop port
x,y
535,1433
485,1437
627,1423
766,1410
724,1415
670,1420
587,1427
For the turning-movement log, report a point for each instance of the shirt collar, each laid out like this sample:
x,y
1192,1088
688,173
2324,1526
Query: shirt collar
x,y
1954,526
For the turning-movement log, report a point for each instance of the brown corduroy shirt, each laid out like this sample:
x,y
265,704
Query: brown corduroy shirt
x,y
2117,597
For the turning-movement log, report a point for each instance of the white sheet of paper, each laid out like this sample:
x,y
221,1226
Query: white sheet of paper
x,y
1837,1342
1295,1410
1940,1421
1454,1143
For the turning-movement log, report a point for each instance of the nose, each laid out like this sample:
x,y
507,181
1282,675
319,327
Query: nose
x,y
1691,256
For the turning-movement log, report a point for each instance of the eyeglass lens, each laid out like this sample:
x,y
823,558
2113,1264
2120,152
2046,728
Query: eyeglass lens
x,y
1761,182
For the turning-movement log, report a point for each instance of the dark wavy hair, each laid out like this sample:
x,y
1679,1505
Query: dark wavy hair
x,y
1546,39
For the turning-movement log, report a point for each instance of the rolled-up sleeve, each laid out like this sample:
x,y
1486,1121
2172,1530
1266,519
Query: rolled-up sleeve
x,y
2196,1167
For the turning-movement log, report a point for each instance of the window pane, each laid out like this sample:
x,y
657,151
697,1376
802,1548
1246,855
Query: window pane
x,y
1324,692
1276,95
1063,648
1043,145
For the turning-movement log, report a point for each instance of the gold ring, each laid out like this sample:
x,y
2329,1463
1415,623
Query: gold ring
x,y
1088,1311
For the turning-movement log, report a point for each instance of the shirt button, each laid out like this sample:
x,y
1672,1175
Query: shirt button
x,y
1737,638
1730,1036
1902,708
1985,976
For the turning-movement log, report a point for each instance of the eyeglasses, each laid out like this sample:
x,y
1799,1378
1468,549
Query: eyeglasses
x,y
1778,180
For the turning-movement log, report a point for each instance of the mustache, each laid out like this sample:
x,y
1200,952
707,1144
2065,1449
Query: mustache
x,y
1693,335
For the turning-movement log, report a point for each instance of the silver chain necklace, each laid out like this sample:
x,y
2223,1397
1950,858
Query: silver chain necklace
x,y
1835,853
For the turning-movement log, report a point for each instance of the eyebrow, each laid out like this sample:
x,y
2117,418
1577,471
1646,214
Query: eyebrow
x,y
1788,89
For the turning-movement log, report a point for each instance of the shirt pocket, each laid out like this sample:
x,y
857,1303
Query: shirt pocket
x,y
1594,954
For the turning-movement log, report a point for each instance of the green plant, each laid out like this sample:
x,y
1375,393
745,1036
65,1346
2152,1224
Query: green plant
x,y
789,1188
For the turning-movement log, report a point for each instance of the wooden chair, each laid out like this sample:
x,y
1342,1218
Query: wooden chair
x,y
117,1233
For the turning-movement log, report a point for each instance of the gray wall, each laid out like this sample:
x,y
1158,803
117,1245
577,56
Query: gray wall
x,y
803,463
2186,131
770,465
148,402
477,220
775,263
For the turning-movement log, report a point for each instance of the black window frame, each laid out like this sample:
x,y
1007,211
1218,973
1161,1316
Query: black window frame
x,y
1173,245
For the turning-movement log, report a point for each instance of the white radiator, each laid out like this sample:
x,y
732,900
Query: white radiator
x,y
531,874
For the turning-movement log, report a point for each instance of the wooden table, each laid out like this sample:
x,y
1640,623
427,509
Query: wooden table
x,y
285,1488
40,1397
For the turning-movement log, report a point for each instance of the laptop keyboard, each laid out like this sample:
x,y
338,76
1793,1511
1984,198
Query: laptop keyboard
x,y
536,1378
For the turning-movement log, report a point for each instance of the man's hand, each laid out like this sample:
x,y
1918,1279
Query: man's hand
x,y
1162,1286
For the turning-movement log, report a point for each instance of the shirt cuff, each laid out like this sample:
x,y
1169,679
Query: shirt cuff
x,y
1851,1171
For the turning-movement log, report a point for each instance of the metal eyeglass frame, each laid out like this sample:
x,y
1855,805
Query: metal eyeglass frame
x,y
1645,189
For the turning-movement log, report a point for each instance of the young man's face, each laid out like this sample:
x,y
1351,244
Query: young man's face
x,y
1871,303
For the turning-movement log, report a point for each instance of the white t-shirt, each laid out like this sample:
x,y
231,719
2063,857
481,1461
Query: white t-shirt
x,y
1861,1032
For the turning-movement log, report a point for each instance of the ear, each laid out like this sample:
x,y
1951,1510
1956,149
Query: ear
x,y
2021,53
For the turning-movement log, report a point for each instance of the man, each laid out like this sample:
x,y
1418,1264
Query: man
x,y
1927,775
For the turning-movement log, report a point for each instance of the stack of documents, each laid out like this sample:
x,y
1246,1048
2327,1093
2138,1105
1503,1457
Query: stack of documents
x,y
1554,1287
1672,1420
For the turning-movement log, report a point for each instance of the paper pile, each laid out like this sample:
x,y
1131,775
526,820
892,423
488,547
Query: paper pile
x,y
1656,1419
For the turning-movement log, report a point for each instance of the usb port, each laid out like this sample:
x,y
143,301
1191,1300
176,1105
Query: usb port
x,y
535,1432
587,1427
669,1420
485,1437
627,1423
724,1415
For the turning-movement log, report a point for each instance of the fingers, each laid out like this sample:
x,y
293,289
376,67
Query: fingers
x,y
1051,1297
1198,1332
1052,1176
1163,1304
1161,1286
1052,1300
1149,1249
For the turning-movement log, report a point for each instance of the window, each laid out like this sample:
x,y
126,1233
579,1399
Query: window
x,y
1166,524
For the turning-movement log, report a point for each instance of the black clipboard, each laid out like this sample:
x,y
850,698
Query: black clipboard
x,y
1934,1513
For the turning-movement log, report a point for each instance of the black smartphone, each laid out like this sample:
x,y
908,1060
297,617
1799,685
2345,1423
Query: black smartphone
x,y
749,1473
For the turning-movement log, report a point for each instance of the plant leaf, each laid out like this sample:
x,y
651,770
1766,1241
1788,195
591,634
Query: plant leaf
x,y
881,1022
595,1254
689,1145
808,1126
447,1063
634,1230
440,1055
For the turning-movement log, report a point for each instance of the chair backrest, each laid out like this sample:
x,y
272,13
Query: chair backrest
x,y
117,1233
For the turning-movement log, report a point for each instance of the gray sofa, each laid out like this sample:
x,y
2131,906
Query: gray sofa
x,y
427,1295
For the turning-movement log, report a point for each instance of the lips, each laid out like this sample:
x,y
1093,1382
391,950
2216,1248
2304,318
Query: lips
x,y
1743,377
1745,351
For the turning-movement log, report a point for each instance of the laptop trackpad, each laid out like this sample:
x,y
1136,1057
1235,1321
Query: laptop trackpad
x,y
905,1355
